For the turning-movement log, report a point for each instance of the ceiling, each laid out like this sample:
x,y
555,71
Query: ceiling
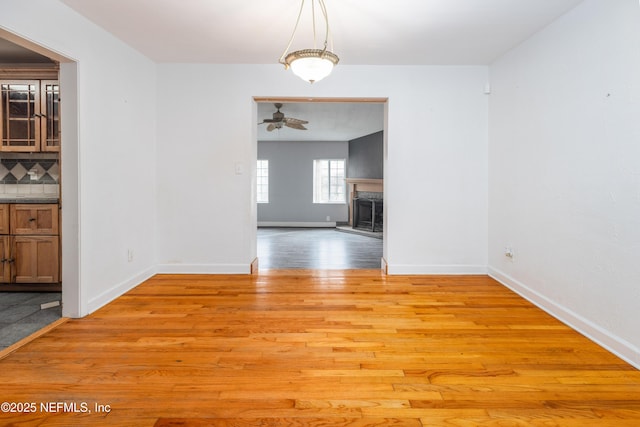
x,y
365,32
11,53
327,121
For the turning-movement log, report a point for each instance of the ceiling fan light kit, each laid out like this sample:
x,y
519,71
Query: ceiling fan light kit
x,y
311,65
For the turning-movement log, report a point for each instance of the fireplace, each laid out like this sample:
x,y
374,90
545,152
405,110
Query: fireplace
x,y
367,214
363,188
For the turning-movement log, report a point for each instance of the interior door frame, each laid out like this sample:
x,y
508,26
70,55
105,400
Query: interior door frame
x,y
351,100
72,304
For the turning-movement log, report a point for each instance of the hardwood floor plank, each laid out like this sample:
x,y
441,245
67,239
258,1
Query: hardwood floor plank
x,y
314,348
289,422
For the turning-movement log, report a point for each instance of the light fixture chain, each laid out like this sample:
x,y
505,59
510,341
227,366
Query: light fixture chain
x,y
282,61
313,21
327,34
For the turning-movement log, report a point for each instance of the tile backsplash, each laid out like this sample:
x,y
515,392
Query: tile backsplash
x,y
369,195
24,174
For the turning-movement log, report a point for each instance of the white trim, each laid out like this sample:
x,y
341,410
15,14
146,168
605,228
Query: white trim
x,y
384,266
326,224
73,304
616,345
118,290
395,269
204,269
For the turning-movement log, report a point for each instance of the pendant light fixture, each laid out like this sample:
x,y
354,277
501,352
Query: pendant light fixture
x,y
311,65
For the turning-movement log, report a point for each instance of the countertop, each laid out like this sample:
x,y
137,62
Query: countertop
x,y
29,200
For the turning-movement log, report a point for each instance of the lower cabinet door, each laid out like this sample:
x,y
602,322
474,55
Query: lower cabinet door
x,y
5,258
35,259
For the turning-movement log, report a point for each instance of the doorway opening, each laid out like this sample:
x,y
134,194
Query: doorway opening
x,y
50,290
314,159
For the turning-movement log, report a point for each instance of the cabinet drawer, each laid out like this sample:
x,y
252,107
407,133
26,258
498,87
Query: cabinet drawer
x,y
4,218
34,219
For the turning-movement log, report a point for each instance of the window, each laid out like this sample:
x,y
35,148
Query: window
x,y
328,181
263,181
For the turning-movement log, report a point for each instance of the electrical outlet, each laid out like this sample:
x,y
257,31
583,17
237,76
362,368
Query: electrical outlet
x,y
239,168
130,255
328,218
508,252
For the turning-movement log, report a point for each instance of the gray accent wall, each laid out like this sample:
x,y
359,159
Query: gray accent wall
x,y
291,181
365,157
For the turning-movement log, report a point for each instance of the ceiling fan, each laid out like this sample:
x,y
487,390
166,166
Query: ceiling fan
x,y
279,120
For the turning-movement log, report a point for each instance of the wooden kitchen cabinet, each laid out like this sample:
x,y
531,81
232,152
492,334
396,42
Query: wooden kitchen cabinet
x,y
50,117
29,115
4,219
34,219
35,259
30,247
5,255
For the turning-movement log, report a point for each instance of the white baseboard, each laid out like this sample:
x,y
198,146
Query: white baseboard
x,y
456,270
118,290
616,345
204,268
325,224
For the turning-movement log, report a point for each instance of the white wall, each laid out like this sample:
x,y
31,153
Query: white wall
x,y
435,173
204,216
291,183
109,180
565,171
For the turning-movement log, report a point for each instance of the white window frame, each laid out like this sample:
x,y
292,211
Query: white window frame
x,y
262,181
328,187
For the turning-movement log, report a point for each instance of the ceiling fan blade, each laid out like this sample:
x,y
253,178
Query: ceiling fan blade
x,y
295,125
297,121
271,127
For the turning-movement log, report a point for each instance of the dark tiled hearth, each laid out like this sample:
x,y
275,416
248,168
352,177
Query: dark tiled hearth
x,y
350,229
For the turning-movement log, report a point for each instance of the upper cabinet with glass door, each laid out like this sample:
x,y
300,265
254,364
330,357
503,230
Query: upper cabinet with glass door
x,y
30,113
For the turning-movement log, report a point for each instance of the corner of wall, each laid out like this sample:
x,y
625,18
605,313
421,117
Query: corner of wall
x,y
117,290
616,345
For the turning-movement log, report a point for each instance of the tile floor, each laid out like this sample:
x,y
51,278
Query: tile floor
x,y
21,315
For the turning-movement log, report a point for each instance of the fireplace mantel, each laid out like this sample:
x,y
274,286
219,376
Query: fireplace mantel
x,y
366,184
362,184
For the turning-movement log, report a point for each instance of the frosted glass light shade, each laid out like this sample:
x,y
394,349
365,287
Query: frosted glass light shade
x,y
311,65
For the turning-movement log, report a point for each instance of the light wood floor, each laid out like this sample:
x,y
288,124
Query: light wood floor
x,y
303,348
